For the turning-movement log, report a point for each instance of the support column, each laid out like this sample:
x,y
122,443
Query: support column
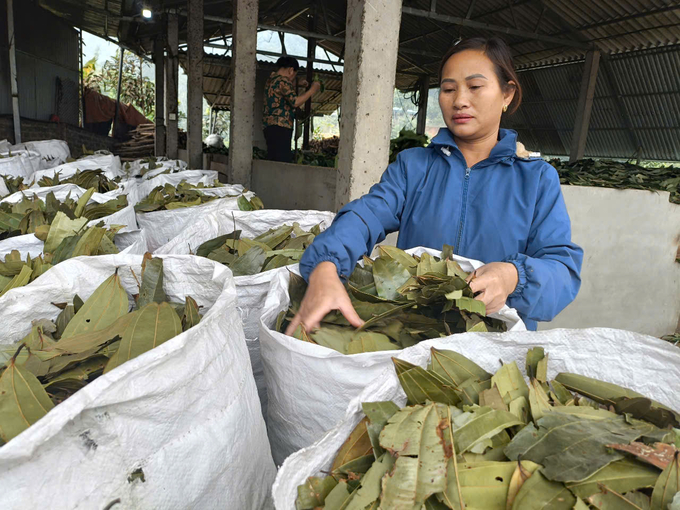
x,y
171,85
159,63
13,72
311,53
585,105
423,94
367,93
116,120
195,84
244,89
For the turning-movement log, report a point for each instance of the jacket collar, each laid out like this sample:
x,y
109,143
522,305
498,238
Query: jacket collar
x,y
504,151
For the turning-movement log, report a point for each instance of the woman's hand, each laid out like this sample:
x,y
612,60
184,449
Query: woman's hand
x,y
494,282
316,86
325,293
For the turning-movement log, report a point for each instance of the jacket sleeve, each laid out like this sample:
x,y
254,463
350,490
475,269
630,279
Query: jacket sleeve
x,y
549,271
360,225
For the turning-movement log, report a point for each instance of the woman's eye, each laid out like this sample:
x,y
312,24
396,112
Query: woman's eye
x,y
474,87
446,91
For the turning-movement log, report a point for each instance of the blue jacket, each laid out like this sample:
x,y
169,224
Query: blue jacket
x,y
504,208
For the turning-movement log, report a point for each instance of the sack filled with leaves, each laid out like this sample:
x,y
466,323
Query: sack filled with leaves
x,y
137,189
272,227
52,152
19,163
441,429
151,167
338,361
168,210
107,164
104,360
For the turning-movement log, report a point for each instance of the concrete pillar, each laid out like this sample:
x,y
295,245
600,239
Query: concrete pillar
x,y
171,85
159,63
585,105
424,91
244,90
195,83
367,93
14,84
258,133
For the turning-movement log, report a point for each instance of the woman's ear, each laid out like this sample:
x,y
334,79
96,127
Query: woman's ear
x,y
509,92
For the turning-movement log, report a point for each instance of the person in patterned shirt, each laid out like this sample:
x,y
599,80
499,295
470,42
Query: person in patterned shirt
x,y
281,100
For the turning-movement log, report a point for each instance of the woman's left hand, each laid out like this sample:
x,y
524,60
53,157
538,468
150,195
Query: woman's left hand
x,y
493,283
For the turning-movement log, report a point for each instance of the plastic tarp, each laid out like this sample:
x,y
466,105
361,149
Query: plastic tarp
x,y
642,363
52,152
252,290
185,414
303,378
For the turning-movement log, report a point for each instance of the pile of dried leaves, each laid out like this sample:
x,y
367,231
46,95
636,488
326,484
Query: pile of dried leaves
x,y
34,216
170,197
476,441
64,239
88,339
85,179
612,174
403,298
278,247
15,184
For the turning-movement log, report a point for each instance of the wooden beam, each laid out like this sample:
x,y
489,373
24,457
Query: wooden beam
x,y
423,92
585,105
172,85
159,65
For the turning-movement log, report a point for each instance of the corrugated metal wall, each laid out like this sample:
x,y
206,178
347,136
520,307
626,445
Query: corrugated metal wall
x,y
47,48
639,91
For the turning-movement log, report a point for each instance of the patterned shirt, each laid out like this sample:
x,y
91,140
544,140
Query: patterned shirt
x,y
279,102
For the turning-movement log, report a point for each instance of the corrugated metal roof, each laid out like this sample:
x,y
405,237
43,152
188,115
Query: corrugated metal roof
x,y
648,100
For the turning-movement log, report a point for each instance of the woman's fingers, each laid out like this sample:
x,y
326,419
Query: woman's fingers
x,y
290,330
348,311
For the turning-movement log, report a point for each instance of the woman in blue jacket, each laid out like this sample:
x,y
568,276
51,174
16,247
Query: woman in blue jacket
x,y
468,189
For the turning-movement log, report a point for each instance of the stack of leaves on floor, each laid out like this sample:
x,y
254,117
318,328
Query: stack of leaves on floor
x,y
278,247
88,339
472,440
403,298
34,216
613,174
85,179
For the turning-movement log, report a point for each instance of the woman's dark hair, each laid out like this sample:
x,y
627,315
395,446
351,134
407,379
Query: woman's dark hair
x,y
499,53
287,62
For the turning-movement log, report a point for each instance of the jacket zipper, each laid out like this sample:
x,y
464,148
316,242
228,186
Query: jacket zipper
x,y
463,209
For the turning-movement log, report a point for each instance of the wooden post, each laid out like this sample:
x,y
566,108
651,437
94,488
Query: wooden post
x,y
195,84
585,105
171,85
120,82
159,62
14,86
311,53
423,92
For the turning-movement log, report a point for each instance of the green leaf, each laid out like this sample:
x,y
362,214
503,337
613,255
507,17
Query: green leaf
x,y
538,493
534,355
367,341
19,280
333,337
621,476
510,382
108,302
414,435
572,448
82,202
369,490
150,327
151,289
61,228
339,497
393,253
275,236
313,492
23,401
250,262
421,385
389,276
483,424
484,485
523,471
611,500
190,317
471,305
456,367
667,485
357,445
378,413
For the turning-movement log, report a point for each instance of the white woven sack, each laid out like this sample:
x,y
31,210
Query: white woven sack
x,y
607,354
303,378
138,189
52,152
184,413
134,168
109,163
19,163
251,290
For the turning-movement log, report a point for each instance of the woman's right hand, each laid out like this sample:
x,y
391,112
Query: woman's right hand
x,y
325,293
316,87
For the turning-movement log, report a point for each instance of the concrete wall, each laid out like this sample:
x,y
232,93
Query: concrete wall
x,y
258,133
288,186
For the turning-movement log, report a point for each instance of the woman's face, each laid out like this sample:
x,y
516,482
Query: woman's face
x,y
471,97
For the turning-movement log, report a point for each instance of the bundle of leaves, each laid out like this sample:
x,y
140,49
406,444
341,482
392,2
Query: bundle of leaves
x,y
34,216
403,298
472,440
88,339
64,239
326,145
15,184
407,139
322,159
85,179
257,153
278,247
613,174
